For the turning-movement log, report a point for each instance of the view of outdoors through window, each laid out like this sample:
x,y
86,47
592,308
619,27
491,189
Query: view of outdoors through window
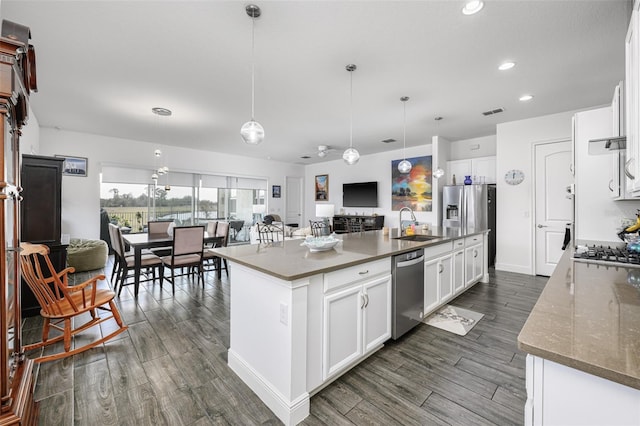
x,y
131,206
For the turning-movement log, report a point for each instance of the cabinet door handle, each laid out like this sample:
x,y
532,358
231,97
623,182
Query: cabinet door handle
x,y
440,268
626,169
475,253
364,272
362,305
610,183
367,300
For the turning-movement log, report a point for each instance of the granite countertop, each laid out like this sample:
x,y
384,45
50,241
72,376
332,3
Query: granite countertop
x,y
290,261
588,318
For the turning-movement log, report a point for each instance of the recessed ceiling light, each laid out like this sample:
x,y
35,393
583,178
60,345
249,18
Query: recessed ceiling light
x,y
525,98
506,65
473,6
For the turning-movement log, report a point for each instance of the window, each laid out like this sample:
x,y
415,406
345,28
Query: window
x,y
128,197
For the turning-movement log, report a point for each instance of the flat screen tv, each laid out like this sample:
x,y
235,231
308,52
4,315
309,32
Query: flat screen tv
x,y
360,194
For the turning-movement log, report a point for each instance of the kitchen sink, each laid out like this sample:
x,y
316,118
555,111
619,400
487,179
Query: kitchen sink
x,y
417,237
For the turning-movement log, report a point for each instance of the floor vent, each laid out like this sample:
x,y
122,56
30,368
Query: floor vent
x,y
493,111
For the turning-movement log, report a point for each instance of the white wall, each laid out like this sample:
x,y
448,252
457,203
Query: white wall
x,y
30,139
473,148
81,195
514,220
374,167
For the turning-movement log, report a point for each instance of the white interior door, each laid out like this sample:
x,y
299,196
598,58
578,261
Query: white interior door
x,y
293,201
553,203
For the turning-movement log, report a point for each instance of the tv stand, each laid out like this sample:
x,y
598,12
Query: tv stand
x,y
369,223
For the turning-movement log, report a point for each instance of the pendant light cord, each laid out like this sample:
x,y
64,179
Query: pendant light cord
x,y
351,111
404,130
253,66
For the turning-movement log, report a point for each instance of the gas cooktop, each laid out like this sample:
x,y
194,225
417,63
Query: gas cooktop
x,y
607,255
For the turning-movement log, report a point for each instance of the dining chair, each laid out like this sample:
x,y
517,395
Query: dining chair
x,y
222,231
270,233
62,305
159,227
188,245
319,228
124,263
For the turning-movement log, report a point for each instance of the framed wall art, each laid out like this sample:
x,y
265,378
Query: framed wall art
x,y
412,189
276,191
322,187
74,166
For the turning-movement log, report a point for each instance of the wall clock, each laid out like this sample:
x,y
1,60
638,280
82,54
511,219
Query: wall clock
x,y
514,177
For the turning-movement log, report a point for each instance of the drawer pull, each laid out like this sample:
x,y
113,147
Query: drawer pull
x,y
364,272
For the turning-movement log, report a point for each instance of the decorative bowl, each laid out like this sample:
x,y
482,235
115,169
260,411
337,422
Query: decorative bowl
x,y
321,243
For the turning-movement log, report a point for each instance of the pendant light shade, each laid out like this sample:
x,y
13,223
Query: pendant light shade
x,y
252,132
351,155
404,166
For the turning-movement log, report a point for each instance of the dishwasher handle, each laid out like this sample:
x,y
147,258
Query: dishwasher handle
x,y
411,262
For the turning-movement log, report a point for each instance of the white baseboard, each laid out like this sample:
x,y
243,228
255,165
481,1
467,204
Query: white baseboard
x,y
289,412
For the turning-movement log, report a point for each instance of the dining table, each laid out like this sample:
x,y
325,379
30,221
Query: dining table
x,y
141,241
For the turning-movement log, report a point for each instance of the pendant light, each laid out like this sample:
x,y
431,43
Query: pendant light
x,y
252,132
351,155
404,166
438,173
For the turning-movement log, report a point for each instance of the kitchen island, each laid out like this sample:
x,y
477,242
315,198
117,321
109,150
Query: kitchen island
x,y
583,341
300,319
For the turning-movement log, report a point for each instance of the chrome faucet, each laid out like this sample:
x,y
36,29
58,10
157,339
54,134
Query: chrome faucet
x,y
413,217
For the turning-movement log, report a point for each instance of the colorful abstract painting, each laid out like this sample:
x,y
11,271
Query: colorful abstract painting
x,y
412,189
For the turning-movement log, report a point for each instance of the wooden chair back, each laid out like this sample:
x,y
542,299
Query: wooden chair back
x,y
47,286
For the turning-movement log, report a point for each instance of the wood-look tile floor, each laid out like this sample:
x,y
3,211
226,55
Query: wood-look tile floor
x,y
170,367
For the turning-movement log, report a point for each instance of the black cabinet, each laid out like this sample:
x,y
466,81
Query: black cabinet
x,y
369,223
41,213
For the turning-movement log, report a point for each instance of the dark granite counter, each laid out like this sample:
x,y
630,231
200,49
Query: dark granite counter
x,y
588,318
289,260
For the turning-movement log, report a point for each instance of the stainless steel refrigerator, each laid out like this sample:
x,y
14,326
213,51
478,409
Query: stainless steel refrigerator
x,y
472,208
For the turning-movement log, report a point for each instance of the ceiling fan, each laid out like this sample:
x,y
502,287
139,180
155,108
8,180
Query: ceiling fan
x,y
322,152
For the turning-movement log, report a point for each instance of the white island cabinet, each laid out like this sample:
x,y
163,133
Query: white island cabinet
x,y
300,319
357,316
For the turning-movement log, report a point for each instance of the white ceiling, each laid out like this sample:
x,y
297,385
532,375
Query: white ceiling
x,y
102,66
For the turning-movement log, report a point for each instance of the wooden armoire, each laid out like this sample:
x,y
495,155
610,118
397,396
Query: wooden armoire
x,y
17,80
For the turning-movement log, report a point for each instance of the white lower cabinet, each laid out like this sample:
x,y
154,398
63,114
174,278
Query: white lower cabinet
x,y
561,395
458,271
438,281
357,319
474,259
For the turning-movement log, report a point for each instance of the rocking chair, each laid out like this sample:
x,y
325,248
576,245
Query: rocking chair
x,y
60,302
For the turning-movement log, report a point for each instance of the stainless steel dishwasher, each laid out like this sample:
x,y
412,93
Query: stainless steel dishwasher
x,y
408,291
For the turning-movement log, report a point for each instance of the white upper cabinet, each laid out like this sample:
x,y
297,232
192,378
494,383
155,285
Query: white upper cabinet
x,y
632,98
481,170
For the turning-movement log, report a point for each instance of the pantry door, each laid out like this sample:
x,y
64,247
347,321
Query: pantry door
x,y
554,204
